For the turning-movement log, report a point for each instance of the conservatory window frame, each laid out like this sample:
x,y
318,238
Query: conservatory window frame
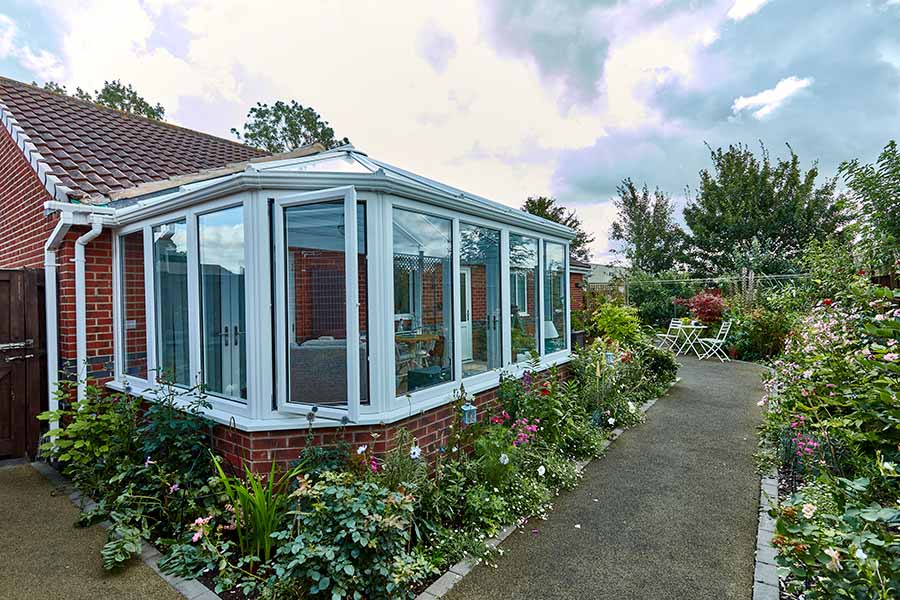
x,y
347,195
151,387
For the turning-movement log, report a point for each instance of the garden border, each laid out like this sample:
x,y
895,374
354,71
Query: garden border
x,y
765,573
443,584
191,589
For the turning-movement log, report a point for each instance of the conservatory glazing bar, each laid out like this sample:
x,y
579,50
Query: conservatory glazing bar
x,y
362,328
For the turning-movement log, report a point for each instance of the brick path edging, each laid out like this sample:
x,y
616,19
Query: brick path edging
x,y
189,588
765,574
443,584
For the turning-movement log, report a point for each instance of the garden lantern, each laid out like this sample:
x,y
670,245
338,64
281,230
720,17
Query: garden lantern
x,y
469,413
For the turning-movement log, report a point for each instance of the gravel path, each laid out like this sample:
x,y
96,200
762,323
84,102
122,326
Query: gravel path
x,y
669,513
43,555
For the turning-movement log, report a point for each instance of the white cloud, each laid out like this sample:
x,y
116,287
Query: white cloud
x,y
42,63
436,46
768,101
742,9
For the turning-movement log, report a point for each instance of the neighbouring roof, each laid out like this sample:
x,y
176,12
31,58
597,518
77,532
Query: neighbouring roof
x,y
94,150
579,266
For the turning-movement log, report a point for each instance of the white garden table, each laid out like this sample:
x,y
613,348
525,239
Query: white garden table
x,y
690,335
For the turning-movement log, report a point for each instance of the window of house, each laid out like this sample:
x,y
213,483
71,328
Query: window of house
x,y
555,289
223,323
319,351
524,273
133,305
479,284
170,278
423,335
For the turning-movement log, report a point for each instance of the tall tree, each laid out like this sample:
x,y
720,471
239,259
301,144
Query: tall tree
x,y
653,240
875,188
283,127
548,208
115,94
744,198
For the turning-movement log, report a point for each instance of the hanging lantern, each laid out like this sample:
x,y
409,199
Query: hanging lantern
x,y
610,358
469,413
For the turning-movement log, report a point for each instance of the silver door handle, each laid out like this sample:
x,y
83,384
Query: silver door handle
x,y
225,335
10,359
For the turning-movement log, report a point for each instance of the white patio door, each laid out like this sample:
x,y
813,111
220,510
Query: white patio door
x,y
317,238
465,304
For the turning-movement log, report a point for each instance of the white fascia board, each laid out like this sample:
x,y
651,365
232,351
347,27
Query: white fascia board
x,y
82,214
274,180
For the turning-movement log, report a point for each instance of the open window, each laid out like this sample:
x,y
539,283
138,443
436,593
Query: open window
x,y
320,259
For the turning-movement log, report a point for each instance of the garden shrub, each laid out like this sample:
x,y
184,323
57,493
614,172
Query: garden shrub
x,y
706,306
616,322
349,538
831,430
102,446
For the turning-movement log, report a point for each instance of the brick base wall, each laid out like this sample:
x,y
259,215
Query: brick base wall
x,y
260,449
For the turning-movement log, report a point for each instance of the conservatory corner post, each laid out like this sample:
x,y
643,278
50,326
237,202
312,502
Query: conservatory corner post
x,y
81,304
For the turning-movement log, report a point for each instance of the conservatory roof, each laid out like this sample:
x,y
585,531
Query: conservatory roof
x,y
332,168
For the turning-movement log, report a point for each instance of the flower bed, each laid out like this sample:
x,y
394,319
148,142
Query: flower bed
x,y
832,429
343,521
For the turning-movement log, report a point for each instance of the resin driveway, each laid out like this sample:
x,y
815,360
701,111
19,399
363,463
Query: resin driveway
x,y
669,513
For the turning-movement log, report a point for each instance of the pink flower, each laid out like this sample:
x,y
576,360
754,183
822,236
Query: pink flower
x,y
197,536
174,488
891,356
373,465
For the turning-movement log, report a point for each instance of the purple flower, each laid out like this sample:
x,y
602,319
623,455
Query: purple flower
x,y
174,488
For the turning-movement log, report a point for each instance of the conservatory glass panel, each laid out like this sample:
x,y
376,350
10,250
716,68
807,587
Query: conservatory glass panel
x,y
336,164
317,304
524,273
134,305
170,279
480,331
223,317
555,289
423,300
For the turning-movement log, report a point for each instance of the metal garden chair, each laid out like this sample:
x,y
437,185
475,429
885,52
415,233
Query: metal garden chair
x,y
668,339
714,346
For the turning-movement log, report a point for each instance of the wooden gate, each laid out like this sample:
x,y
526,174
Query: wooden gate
x,y
23,370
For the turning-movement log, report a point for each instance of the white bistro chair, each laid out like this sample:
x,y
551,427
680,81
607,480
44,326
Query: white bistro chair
x,y
668,339
714,346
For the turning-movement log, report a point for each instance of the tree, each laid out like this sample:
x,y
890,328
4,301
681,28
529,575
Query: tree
x,y
114,94
283,127
653,240
875,189
547,208
744,199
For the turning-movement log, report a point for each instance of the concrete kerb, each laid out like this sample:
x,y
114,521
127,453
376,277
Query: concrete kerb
x,y
765,573
189,588
443,584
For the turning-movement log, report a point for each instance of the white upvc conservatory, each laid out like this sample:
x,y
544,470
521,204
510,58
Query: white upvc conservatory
x,y
334,284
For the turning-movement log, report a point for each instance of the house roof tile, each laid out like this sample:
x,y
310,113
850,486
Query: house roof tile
x,y
97,150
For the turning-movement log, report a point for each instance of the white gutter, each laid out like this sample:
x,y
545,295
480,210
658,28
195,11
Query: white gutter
x,y
81,304
53,242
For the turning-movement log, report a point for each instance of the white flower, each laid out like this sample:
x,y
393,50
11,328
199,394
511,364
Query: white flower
x,y
860,555
835,563
504,459
454,449
541,470
809,510
611,421
631,406
362,449
415,452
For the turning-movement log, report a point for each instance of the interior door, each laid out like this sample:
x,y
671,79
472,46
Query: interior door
x,y
465,304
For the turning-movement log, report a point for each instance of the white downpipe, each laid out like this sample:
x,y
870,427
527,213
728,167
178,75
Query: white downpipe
x,y
53,242
81,304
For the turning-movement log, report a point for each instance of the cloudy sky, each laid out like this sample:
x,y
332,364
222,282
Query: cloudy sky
x,y
504,98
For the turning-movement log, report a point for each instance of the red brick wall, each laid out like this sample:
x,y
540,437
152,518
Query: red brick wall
x,y
23,227
576,280
259,449
98,305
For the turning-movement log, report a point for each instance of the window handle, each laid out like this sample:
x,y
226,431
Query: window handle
x,y
225,335
236,332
